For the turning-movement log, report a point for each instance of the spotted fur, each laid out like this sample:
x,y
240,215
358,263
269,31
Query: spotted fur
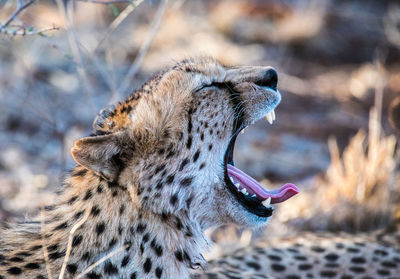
x,y
150,180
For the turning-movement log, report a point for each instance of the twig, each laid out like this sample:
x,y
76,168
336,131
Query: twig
x,y
43,233
103,259
117,21
24,31
144,48
69,247
19,9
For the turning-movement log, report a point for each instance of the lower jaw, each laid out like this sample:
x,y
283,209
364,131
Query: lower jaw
x,y
251,205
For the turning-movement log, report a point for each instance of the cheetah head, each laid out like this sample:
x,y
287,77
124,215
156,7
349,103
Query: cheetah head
x,y
171,143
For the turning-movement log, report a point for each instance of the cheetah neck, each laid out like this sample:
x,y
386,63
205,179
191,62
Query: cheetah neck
x,y
116,235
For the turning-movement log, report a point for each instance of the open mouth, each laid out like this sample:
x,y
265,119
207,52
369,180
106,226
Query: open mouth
x,y
248,192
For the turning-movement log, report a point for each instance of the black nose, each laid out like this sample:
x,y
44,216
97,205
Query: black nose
x,y
269,78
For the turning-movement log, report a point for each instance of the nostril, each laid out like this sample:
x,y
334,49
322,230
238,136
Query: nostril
x,y
269,78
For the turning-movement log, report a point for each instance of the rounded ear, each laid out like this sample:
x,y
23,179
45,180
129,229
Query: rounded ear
x,y
394,113
101,154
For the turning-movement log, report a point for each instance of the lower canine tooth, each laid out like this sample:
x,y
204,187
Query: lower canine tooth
x,y
269,118
243,191
273,115
231,178
267,202
237,185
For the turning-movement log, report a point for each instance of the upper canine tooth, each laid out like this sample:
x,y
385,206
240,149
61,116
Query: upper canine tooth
x,y
273,114
266,202
269,118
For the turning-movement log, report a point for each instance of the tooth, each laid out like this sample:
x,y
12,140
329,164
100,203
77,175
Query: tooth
x,y
243,191
242,131
253,196
273,114
267,202
237,185
269,118
231,179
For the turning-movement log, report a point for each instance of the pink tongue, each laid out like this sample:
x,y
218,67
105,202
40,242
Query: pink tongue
x,y
253,187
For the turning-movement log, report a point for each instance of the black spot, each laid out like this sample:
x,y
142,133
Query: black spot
x,y
61,226
317,249
125,261
16,259
159,271
202,165
186,181
147,265
95,210
78,215
196,156
93,275
52,248
383,272
305,266
36,247
56,255
179,256
100,228
331,257
178,224
389,264
210,147
327,273
112,243
76,240
100,189
121,209
357,269
72,268
110,269
292,276
253,265
88,195
156,247
358,260
146,237
278,267
133,275
183,164
140,228
174,199
379,252
353,250
85,256
274,258
159,168
14,270
40,277
300,258
72,200
189,142
202,137
32,266
170,179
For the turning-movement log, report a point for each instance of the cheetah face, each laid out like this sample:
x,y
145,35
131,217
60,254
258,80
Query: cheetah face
x,y
172,143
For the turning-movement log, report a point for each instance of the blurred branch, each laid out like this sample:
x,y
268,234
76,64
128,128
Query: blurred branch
x,y
20,7
143,49
117,21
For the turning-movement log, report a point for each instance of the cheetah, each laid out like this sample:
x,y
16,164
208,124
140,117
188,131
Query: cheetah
x,y
155,173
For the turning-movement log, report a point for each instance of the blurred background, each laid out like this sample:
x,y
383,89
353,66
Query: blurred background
x,y
339,67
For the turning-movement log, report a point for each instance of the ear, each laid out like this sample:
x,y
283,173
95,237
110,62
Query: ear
x,y
101,154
